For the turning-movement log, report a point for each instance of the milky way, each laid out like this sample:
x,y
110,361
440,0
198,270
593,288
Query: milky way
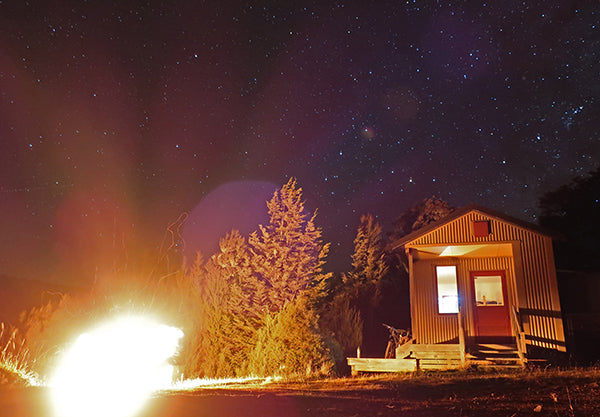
x,y
116,117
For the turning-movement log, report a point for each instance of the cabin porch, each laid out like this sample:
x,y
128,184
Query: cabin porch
x,y
413,357
480,352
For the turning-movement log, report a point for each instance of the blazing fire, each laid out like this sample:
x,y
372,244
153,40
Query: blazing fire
x,y
113,369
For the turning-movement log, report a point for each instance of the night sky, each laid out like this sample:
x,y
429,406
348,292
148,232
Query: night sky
x,y
116,117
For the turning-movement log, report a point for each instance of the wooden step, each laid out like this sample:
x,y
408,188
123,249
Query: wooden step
x,y
495,356
499,352
494,365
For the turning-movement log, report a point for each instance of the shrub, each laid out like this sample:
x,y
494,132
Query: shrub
x,y
289,344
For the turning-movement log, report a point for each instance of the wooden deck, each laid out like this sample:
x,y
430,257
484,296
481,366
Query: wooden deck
x,y
359,365
413,357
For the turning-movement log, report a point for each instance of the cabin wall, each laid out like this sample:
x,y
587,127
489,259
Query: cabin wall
x,y
431,327
531,277
541,312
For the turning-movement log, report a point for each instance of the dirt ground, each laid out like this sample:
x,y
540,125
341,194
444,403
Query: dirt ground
x,y
573,393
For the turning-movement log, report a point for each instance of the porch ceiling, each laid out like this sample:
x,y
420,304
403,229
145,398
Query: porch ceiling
x,y
467,251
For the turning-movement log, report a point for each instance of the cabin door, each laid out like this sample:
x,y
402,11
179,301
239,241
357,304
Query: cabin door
x,y
491,310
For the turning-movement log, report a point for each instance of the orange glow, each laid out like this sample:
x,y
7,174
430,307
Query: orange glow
x,y
195,384
113,369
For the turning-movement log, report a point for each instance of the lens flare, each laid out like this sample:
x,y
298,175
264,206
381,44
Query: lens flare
x,y
113,369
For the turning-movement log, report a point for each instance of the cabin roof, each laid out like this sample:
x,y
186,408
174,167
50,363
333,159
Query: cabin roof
x,y
459,212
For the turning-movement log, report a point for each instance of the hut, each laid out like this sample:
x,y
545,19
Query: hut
x,y
483,291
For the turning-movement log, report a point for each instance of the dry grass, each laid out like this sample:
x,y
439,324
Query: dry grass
x,y
539,392
573,392
15,358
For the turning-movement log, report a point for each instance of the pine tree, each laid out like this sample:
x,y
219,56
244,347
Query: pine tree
x,y
247,293
258,298
288,253
231,312
433,210
288,257
359,297
368,261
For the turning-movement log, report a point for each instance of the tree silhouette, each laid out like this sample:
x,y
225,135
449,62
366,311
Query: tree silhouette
x,y
368,263
351,314
421,214
573,210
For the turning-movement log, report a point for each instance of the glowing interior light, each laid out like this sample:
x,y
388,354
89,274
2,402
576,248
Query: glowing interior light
x,y
113,369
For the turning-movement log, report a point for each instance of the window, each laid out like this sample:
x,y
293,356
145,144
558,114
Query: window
x,y
447,289
488,290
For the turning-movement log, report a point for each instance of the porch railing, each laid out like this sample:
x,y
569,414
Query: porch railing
x,y
519,333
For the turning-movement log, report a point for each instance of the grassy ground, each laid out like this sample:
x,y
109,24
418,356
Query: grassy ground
x,y
556,393
572,393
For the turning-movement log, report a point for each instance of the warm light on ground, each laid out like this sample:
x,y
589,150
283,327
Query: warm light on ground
x,y
112,370
194,384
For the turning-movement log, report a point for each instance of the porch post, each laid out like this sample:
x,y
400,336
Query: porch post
x,y
411,290
461,333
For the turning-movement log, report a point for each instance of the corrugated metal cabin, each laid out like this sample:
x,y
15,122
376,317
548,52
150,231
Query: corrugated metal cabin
x,y
483,290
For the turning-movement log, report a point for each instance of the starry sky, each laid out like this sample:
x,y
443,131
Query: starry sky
x,y
118,116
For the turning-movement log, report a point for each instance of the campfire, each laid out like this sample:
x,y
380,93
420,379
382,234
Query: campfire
x,y
112,370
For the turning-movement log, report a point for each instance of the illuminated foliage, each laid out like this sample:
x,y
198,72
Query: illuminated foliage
x,y
290,343
288,253
258,298
230,312
249,309
49,327
46,327
15,358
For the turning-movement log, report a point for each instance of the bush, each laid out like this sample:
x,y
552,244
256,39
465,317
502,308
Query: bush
x,y
344,324
289,344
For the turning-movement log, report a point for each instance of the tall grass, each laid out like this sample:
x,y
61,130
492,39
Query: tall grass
x,y
15,359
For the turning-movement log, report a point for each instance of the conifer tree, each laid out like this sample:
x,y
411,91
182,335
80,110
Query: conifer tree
x,y
356,302
231,311
290,343
259,297
233,263
288,257
368,262
572,210
288,253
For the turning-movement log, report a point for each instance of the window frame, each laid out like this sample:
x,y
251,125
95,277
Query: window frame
x,y
437,290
